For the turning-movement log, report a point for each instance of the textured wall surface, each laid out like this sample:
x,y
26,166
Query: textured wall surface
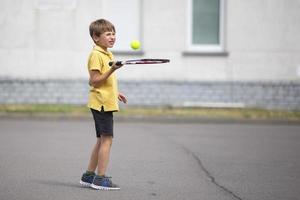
x,y
270,95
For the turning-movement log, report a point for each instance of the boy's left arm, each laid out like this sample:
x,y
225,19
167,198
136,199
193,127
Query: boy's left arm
x,y
122,98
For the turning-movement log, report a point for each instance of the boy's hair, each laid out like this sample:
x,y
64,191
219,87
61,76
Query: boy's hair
x,y
100,26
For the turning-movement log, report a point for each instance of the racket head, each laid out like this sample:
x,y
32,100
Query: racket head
x,y
146,61
140,61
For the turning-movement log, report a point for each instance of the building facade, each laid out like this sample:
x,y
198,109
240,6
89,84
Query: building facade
x,y
233,44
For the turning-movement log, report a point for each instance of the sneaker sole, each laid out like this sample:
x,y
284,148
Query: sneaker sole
x,y
85,184
96,187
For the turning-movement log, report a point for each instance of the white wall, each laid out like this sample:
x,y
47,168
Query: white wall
x,y
45,43
262,41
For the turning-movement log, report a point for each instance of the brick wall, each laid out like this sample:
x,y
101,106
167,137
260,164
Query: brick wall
x,y
270,95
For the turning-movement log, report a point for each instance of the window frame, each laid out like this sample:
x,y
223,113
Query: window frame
x,y
204,48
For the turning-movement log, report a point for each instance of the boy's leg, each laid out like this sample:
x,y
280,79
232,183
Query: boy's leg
x,y
94,156
104,130
103,154
88,177
101,181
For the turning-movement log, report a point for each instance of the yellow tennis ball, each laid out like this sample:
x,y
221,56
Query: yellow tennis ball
x,y
135,44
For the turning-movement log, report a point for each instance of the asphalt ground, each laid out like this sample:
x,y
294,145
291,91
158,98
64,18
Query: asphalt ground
x,y
44,159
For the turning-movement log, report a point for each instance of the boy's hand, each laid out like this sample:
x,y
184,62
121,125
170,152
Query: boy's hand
x,y
122,98
115,65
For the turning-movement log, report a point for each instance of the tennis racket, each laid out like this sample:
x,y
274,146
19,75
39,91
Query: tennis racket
x,y
140,61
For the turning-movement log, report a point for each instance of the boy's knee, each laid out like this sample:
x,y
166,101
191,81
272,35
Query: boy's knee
x,y
106,140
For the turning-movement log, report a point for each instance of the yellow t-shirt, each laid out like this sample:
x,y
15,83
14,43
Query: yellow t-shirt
x,y
105,95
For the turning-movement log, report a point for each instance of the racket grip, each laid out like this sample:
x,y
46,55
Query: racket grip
x,y
118,63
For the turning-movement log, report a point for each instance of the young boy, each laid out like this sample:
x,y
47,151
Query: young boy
x,y
103,101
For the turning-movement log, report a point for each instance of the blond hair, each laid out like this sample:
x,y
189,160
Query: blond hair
x,y
100,26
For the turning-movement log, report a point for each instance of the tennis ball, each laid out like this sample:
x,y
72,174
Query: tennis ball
x,y
135,44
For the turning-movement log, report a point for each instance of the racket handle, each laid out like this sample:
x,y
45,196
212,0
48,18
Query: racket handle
x,y
118,63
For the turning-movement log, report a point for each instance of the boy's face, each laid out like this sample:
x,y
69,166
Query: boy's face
x,y
106,40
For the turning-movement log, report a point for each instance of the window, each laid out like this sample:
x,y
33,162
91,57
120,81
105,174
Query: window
x,y
126,17
206,26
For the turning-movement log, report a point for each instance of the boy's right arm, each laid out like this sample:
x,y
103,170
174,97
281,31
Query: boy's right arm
x,y
96,78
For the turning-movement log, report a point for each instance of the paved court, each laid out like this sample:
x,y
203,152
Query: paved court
x,y
44,159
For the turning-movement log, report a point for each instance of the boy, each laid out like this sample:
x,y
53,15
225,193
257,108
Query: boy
x,y
103,101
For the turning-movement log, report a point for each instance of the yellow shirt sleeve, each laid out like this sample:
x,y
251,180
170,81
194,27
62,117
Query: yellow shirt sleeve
x,y
95,62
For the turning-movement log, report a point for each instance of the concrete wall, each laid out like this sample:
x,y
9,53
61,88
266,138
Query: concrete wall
x,y
267,95
262,41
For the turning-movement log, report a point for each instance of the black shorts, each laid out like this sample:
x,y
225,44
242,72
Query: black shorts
x,y
103,123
